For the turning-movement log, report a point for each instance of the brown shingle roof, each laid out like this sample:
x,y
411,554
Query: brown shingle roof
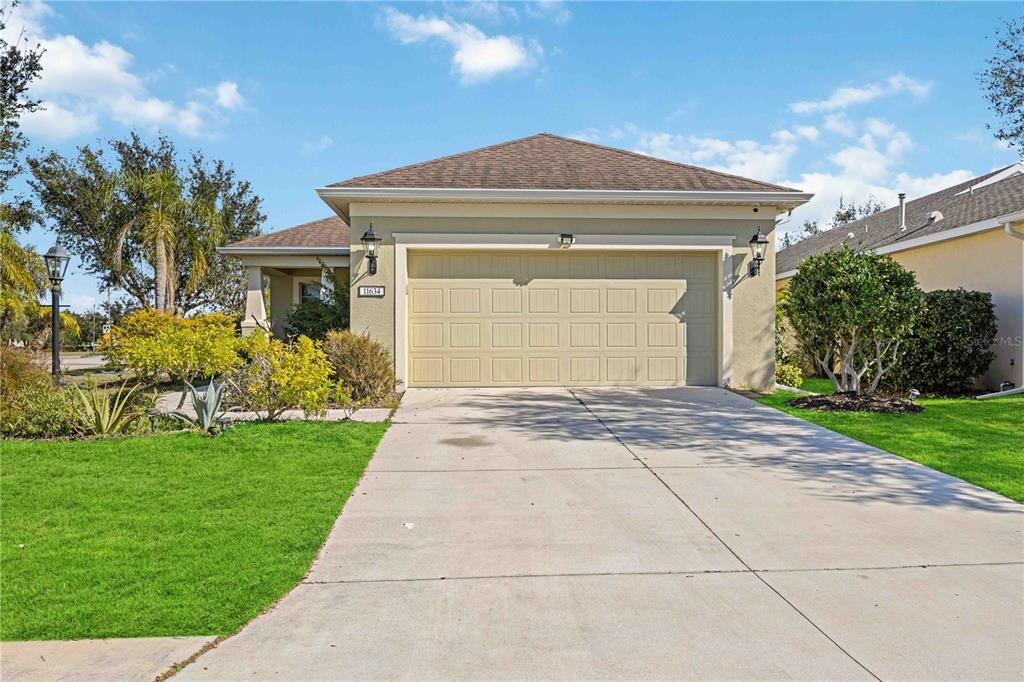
x,y
958,208
547,161
330,232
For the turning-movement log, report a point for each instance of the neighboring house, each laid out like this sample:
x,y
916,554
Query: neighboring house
x,y
543,261
970,235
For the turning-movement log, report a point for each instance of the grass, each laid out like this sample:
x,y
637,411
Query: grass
x,y
980,441
168,535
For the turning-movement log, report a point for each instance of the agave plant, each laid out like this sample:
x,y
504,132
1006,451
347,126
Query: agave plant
x,y
105,413
207,417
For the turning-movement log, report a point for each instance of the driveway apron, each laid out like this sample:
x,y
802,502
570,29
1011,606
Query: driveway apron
x,y
683,533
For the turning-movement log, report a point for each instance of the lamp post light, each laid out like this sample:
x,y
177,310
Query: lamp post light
x,y
371,243
56,265
758,244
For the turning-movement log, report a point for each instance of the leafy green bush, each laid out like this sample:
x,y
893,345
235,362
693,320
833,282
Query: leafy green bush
x,y
789,375
30,405
362,365
317,317
951,343
853,311
152,342
279,376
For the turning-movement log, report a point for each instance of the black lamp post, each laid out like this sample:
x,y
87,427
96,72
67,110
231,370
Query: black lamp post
x,y
56,265
758,244
371,243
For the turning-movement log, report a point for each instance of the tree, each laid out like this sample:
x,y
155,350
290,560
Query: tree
x,y
853,311
90,199
19,65
1003,83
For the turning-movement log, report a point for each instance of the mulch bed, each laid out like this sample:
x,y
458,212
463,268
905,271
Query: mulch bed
x,y
851,402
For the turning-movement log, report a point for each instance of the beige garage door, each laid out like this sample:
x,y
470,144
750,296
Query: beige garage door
x,y
561,318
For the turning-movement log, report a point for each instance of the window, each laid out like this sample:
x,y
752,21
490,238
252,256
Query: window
x,y
309,291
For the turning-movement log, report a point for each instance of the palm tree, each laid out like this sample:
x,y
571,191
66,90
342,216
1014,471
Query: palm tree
x,y
168,222
22,279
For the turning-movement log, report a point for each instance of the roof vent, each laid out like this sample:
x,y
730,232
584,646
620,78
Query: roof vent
x,y
903,211
934,217
850,235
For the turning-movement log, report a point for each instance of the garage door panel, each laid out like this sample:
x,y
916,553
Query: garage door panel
x,y
561,318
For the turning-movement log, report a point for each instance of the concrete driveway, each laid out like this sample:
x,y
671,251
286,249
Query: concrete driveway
x,y
659,533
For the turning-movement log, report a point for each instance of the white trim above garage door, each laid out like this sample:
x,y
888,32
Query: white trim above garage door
x,y
404,242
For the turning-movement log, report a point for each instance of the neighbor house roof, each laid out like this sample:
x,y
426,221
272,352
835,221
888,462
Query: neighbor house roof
x,y
547,161
976,202
326,233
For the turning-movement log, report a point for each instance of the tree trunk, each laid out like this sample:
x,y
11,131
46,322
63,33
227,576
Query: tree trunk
x,y
161,276
40,339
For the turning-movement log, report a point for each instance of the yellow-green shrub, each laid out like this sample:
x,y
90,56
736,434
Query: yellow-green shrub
x,y
30,405
152,342
789,375
279,376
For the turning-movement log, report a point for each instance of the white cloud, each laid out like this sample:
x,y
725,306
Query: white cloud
x,y
555,10
228,96
81,84
741,157
477,57
55,122
320,145
839,123
847,96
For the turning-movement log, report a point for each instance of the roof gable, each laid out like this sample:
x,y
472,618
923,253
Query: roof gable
x,y
967,203
547,161
326,233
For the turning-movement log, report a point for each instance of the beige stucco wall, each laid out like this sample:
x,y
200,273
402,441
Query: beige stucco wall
x,y
753,300
991,261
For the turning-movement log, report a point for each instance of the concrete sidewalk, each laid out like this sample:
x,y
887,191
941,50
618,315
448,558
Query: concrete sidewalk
x,y
657,533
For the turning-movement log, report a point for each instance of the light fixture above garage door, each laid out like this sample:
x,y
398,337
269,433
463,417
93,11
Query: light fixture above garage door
x,y
566,240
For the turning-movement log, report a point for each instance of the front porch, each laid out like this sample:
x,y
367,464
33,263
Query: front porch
x,y
285,269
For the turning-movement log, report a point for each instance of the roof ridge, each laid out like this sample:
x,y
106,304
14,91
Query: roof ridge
x,y
678,164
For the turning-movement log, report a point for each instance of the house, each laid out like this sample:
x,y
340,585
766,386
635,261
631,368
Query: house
x,y
970,235
542,261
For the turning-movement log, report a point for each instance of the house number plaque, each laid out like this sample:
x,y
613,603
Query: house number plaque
x,y
371,292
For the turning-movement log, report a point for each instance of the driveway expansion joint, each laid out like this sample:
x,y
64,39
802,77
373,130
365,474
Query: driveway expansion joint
x,y
719,538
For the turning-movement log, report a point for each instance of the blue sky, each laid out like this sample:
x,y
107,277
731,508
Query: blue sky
x,y
838,99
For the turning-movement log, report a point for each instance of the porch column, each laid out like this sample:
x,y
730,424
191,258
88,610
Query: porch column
x,y
255,310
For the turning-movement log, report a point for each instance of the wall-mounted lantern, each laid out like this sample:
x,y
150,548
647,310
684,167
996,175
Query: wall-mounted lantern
x,y
566,240
57,260
758,245
371,244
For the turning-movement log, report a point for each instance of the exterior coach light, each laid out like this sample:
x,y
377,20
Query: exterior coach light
x,y
371,244
758,244
57,260
566,240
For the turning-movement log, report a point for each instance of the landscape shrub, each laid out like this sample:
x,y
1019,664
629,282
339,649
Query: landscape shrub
x,y
317,317
951,343
362,365
789,375
155,343
853,311
105,412
31,406
279,376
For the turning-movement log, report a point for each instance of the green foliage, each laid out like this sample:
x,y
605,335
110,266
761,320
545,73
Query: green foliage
x,y
317,317
1003,82
30,405
789,375
279,376
855,311
951,343
206,406
91,198
362,365
106,413
20,64
782,329
153,342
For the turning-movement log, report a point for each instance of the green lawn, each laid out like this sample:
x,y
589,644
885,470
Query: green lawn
x,y
981,441
167,535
